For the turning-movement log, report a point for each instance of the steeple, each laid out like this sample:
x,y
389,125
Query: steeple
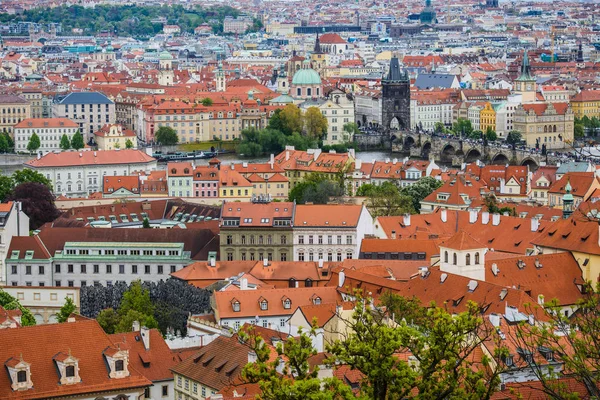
x,y
395,74
568,201
317,49
525,69
579,58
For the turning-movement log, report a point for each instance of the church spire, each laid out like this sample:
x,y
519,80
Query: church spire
x,y
567,201
317,49
525,69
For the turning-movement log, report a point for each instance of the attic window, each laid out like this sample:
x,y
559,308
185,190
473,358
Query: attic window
x,y
264,305
236,306
583,239
173,170
317,301
287,304
119,365
21,376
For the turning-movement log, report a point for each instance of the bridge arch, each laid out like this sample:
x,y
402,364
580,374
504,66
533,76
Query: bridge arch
x,y
447,153
531,163
409,142
472,155
500,159
426,149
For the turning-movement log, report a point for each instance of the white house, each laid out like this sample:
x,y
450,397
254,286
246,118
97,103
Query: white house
x,y
49,130
13,222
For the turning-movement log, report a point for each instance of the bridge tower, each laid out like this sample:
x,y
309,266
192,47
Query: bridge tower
x,y
395,113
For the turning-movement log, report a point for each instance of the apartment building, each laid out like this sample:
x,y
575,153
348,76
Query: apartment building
x,y
91,110
41,104
49,130
13,110
236,25
331,232
256,231
80,173
549,124
76,257
339,111
114,137
179,178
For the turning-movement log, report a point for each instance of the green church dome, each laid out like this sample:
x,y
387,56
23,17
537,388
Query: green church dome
x,y
306,77
165,55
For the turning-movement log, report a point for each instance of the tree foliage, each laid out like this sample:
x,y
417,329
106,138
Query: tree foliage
x,y
316,188
491,134
28,175
166,136
146,223
37,202
462,127
442,346
491,205
288,120
386,199
315,123
513,138
34,142
206,102
421,189
172,300
10,303
66,310
65,143
127,20
289,376
108,320
77,141
128,144
256,142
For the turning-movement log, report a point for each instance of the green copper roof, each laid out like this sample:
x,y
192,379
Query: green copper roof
x,y
525,69
165,55
568,196
306,77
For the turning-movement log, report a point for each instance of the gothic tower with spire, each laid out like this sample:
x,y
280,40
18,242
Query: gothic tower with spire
x,y
395,113
525,84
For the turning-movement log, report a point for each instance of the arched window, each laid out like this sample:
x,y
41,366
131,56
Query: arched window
x,y
468,259
445,256
269,239
454,259
554,128
292,283
299,92
545,128
260,239
476,258
308,283
308,92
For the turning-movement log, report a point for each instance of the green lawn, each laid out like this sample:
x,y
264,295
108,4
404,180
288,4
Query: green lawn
x,y
206,146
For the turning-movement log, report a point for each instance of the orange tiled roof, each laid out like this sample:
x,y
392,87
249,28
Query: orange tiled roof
x,y
100,157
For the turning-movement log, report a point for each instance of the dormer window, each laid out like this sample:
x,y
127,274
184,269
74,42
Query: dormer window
x,y
19,373
235,305
68,368
287,304
317,301
264,305
117,361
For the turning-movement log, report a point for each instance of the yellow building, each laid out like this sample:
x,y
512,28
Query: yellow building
x,y
586,104
13,110
114,136
487,118
549,124
233,185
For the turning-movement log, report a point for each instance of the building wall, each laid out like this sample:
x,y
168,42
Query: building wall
x,y
44,302
89,120
246,244
185,389
80,181
13,113
15,224
541,128
49,137
586,108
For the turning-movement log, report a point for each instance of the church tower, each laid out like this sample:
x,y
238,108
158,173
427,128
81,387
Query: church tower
x,y
318,58
166,76
568,201
220,79
579,59
427,16
525,84
395,113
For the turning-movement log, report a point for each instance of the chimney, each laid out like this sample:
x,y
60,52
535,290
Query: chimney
x,y
424,271
243,284
39,155
472,216
145,333
265,262
535,224
472,285
341,278
232,166
357,164
444,215
541,299
393,234
485,217
252,357
495,319
287,155
135,327
443,277
394,161
320,263
495,219
406,219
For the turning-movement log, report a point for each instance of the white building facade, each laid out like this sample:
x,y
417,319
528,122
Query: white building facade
x,y
49,130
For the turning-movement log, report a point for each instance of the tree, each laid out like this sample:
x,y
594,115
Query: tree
x,y
513,138
317,189
77,141
28,175
421,189
439,127
117,145
37,202
462,127
3,144
108,320
10,303
491,134
206,102
289,376
351,128
315,123
66,310
441,344
491,204
166,136
578,131
572,340
65,143
126,321
34,142
7,184
136,298
291,119
146,223
476,135
386,200
128,144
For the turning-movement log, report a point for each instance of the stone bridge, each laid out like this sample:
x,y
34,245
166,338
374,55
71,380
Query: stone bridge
x,y
455,151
